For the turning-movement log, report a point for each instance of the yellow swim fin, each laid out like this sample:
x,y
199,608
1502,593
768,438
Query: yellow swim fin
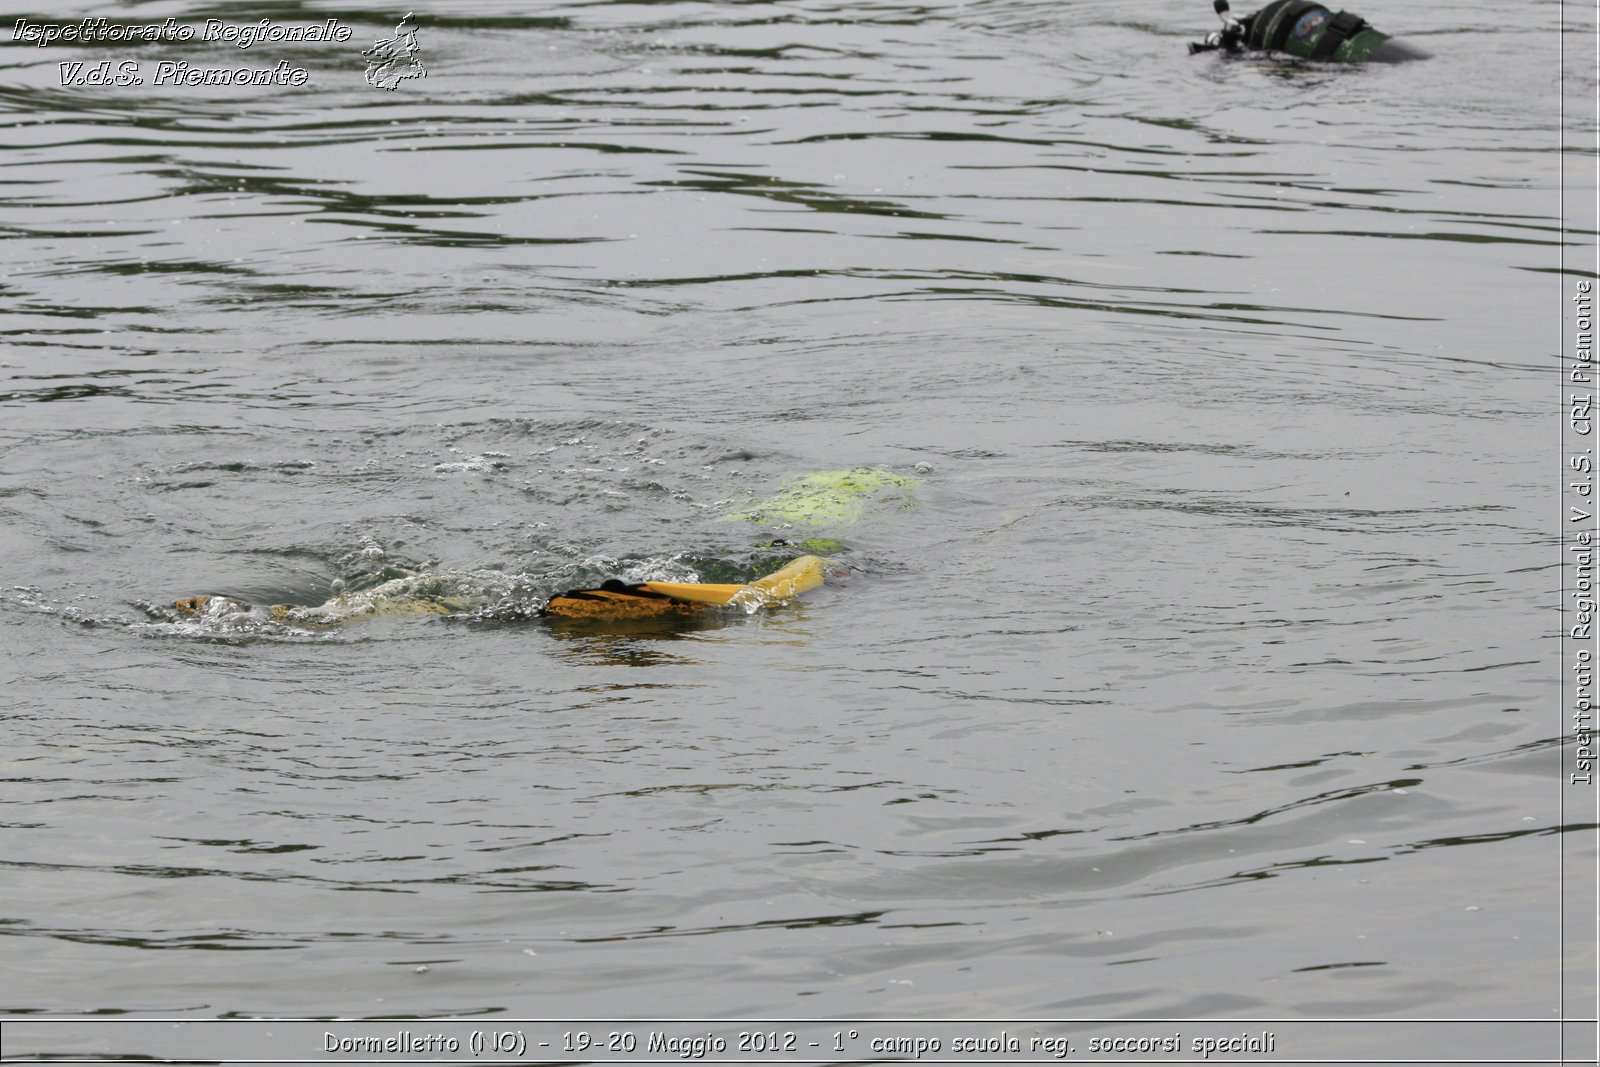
x,y
695,592
793,578
615,600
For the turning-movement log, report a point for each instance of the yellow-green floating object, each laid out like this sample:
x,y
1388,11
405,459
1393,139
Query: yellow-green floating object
x,y
833,498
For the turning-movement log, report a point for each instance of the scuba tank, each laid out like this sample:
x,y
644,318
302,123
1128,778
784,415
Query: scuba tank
x,y
1308,30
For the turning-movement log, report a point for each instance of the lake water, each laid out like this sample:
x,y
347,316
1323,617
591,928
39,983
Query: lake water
x,y
1214,677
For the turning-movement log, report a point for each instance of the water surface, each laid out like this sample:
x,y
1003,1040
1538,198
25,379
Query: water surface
x,y
1211,678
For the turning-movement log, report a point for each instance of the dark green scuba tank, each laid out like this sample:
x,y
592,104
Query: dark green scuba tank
x,y
1309,30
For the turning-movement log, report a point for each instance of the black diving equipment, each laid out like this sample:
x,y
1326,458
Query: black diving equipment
x,y
1307,30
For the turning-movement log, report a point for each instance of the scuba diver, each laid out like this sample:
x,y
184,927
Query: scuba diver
x,y
1308,30
826,499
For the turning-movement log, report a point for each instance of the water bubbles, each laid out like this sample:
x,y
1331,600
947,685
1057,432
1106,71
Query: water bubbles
x,y
485,463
